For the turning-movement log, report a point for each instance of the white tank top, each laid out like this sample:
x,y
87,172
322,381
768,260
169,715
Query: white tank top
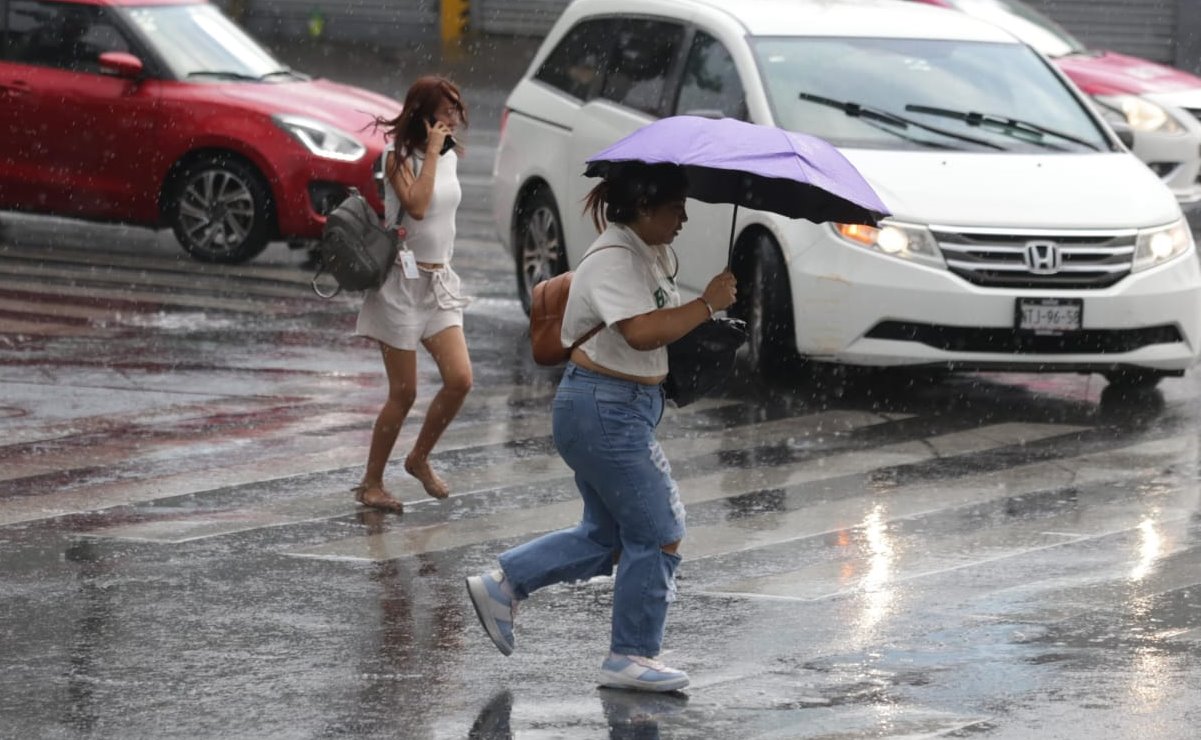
x,y
432,239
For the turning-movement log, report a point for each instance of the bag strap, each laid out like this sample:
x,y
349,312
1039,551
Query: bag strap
x,y
400,207
320,294
594,330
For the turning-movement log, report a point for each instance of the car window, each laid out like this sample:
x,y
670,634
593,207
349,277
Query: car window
x,y
197,41
710,82
61,35
579,58
637,71
1008,80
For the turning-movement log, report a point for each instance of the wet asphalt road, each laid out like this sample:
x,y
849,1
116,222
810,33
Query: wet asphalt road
x,y
876,555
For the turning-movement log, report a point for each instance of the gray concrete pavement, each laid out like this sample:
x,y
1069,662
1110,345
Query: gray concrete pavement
x,y
883,556
1000,556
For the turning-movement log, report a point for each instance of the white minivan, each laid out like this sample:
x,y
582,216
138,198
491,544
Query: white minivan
x,y
1023,234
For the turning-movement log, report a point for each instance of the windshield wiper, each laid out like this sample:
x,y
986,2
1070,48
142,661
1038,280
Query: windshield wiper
x,y
223,74
855,110
902,132
283,71
1007,125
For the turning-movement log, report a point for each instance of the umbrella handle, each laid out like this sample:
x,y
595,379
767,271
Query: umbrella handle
x,y
730,250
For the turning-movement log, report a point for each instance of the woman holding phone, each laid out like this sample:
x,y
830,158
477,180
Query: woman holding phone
x,y
420,302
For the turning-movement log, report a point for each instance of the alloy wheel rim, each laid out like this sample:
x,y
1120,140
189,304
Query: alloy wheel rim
x,y
541,247
216,212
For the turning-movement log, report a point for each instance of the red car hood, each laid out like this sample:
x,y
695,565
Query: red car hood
x,y
1108,73
349,108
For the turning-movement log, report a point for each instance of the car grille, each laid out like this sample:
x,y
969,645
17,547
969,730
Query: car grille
x,y
1012,341
1000,258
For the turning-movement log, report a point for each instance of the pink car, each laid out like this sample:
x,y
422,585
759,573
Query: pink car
x,y
1161,104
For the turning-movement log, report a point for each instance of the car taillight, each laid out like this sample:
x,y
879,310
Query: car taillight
x,y
504,119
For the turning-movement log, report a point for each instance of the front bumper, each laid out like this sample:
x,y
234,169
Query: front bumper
x,y
859,307
1176,158
307,187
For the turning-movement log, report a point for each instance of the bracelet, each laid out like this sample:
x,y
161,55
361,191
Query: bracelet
x,y
706,304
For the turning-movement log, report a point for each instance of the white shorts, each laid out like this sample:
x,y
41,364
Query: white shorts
x,y
404,311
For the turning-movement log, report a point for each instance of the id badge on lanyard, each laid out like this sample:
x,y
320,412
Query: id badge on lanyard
x,y
408,263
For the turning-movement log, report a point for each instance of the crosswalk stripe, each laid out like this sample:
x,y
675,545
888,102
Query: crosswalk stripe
x,y
527,470
155,425
1136,572
123,278
152,265
132,449
284,463
78,312
694,490
35,328
947,552
128,296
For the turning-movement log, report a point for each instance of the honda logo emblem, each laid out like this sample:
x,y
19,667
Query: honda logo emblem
x,y
1043,257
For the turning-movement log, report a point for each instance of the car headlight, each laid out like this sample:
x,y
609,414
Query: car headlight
x,y
1139,113
321,138
896,240
1156,246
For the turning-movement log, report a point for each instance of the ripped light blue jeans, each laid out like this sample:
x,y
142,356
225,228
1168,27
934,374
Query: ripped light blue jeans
x,y
605,430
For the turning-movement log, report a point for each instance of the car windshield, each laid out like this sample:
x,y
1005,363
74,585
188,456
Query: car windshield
x,y
198,41
901,77
1026,23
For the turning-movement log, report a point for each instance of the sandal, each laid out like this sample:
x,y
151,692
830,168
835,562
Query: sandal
x,y
433,485
383,502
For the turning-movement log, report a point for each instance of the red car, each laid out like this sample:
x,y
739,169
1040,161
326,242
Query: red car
x,y
165,113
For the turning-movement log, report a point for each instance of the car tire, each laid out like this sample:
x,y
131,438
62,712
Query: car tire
x,y
539,251
765,304
1134,378
221,210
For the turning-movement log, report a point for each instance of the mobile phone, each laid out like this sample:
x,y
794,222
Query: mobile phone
x,y
449,143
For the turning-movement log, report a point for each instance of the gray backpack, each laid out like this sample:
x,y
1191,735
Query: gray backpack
x,y
355,248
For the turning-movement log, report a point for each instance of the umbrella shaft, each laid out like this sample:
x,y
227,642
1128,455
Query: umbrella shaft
x,y
730,251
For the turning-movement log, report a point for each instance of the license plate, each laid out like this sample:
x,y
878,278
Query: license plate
x,y
1049,315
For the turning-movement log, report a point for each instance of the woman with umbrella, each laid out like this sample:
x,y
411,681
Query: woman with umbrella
x,y
623,311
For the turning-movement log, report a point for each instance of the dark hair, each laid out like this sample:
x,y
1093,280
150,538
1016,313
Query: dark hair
x,y
628,186
421,103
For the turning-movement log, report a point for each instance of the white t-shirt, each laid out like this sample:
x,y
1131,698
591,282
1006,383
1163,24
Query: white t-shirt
x,y
617,284
432,239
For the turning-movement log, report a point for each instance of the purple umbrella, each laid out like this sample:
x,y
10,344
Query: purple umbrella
x,y
760,167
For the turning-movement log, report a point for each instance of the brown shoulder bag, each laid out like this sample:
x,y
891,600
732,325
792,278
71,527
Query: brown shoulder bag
x,y
548,303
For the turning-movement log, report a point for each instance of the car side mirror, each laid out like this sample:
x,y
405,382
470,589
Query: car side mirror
x,y
121,64
1124,131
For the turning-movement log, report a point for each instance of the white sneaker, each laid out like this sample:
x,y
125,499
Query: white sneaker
x,y
494,606
643,674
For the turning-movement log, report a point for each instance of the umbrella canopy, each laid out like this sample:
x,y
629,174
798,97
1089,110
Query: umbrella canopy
x,y
759,167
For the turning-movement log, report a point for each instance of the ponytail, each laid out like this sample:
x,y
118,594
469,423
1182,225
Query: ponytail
x,y
628,186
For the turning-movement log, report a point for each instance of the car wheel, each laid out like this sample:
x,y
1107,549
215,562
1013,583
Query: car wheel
x,y
765,304
1134,378
221,210
540,252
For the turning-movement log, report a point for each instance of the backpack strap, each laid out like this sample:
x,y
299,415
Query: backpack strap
x,y
400,210
594,330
